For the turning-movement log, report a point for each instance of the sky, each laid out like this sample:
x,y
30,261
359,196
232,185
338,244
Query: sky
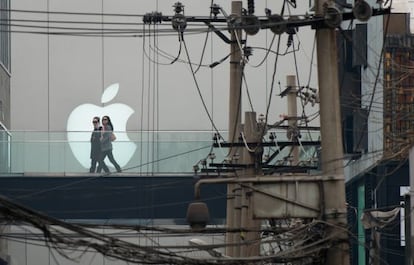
x,y
53,74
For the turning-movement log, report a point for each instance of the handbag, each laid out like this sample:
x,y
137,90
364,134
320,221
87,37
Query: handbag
x,y
113,137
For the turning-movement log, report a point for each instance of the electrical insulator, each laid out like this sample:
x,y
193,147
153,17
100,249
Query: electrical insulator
x,y
152,18
250,6
362,10
247,51
215,10
290,40
215,137
333,16
261,118
179,22
196,168
251,24
277,24
178,7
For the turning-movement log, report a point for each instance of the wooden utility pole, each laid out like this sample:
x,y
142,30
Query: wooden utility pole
x,y
331,141
232,216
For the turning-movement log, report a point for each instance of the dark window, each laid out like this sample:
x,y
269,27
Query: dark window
x,y
359,56
360,141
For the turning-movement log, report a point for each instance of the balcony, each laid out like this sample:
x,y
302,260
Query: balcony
x,y
138,152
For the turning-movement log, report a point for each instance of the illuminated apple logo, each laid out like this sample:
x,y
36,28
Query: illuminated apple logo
x,y
79,128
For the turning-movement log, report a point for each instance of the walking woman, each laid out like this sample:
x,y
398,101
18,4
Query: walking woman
x,y
95,145
106,144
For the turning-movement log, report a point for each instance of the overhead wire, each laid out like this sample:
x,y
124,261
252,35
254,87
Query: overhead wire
x,y
160,253
268,51
120,15
272,86
273,77
205,41
198,88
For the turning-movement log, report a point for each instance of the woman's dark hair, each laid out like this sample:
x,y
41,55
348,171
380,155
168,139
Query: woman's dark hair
x,y
109,122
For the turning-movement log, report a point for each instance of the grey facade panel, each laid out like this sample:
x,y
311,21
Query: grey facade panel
x,y
5,97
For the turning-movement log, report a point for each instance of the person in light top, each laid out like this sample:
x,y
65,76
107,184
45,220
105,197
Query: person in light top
x,y
106,145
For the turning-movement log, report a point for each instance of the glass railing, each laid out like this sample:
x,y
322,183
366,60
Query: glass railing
x,y
5,149
140,152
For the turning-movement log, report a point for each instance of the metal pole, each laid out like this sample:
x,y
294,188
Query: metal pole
x,y
233,221
331,141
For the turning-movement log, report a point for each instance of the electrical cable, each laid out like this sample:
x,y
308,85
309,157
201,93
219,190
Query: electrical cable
x,y
205,41
271,86
180,40
247,87
62,241
198,88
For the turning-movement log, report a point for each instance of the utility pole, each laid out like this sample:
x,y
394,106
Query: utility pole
x,y
331,141
239,204
292,114
250,157
331,204
232,216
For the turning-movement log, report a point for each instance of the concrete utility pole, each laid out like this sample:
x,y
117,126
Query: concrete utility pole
x,y
292,113
232,216
331,141
251,135
239,205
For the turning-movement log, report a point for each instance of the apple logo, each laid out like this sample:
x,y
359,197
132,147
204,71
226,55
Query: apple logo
x,y
79,128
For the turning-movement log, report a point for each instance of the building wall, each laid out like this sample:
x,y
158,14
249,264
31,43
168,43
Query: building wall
x,y
61,72
368,43
4,97
383,192
5,67
398,89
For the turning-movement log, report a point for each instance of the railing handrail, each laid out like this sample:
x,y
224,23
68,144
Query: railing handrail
x,y
5,129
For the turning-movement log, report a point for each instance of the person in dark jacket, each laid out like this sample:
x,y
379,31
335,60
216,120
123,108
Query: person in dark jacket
x,y
106,144
96,154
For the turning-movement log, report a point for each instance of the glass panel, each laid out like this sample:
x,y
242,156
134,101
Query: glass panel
x,y
5,161
361,230
136,152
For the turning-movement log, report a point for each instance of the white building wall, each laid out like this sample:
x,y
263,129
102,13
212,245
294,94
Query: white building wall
x,y
53,74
